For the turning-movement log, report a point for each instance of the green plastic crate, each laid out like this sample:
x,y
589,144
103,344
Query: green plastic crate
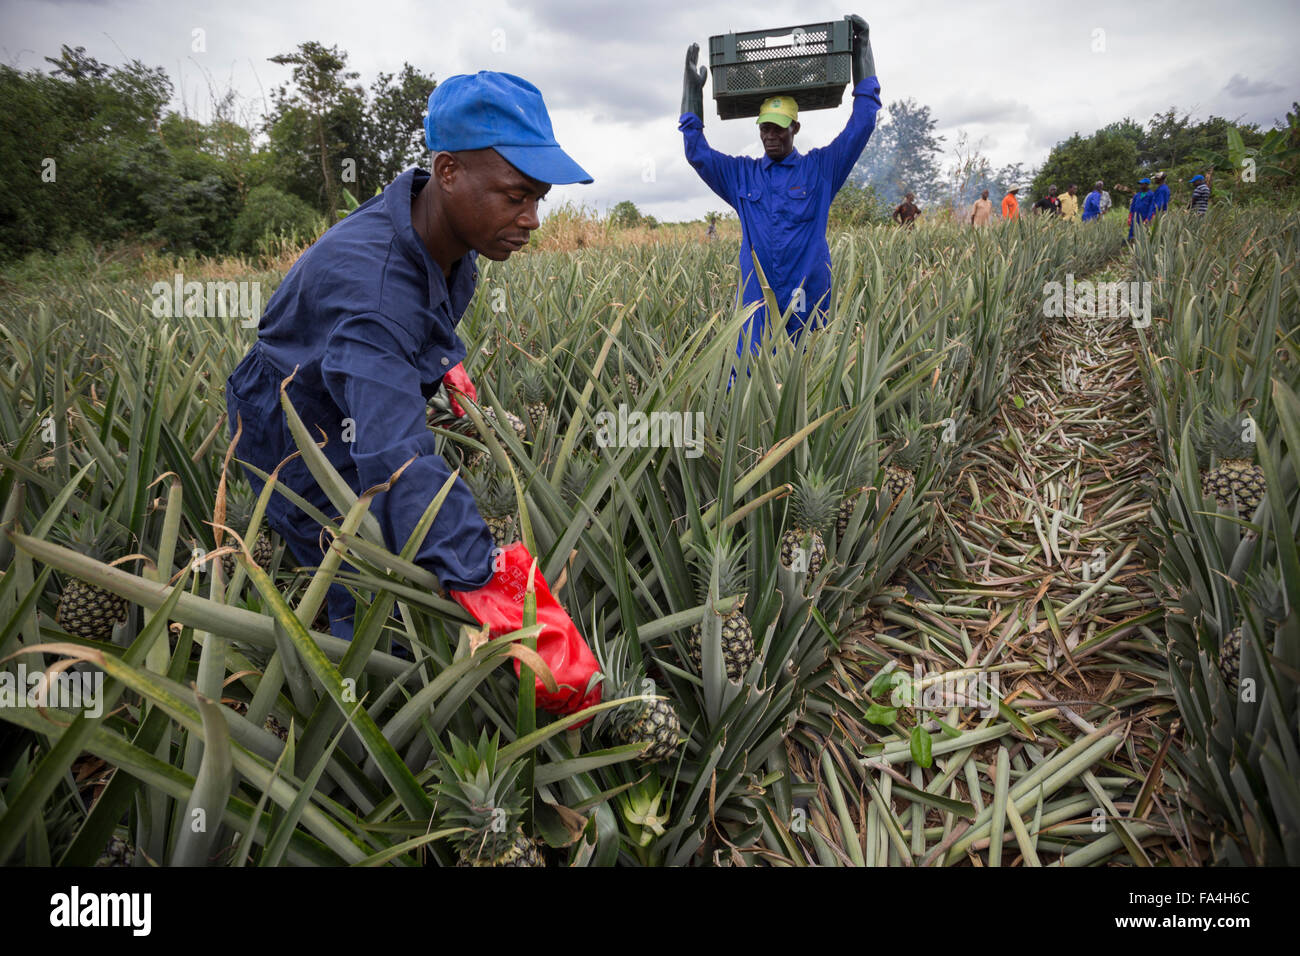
x,y
812,63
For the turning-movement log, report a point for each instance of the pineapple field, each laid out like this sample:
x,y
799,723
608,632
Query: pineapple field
x,y
956,581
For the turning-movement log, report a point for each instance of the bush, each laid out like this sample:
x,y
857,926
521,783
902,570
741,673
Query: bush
x,y
270,211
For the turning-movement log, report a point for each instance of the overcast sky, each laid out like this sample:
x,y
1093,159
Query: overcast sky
x,y
1016,77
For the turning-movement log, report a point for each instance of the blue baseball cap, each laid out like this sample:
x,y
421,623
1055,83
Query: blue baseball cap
x,y
502,112
1196,179
1144,182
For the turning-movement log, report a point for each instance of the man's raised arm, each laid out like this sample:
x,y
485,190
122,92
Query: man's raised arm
x,y
844,150
716,169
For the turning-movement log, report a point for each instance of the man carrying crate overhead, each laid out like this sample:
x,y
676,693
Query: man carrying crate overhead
x,y
783,200
365,324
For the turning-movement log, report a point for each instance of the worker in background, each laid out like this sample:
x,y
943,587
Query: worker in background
x,y
1142,207
783,199
982,211
1070,204
907,211
1048,204
1160,196
1200,200
1092,203
1011,205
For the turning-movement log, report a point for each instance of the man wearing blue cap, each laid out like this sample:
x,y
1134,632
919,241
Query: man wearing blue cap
x,y
1142,206
784,199
362,331
1200,201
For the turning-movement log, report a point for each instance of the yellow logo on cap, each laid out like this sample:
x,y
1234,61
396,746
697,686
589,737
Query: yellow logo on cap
x,y
782,110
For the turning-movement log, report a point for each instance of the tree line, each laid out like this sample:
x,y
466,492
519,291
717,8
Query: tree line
x,y
94,152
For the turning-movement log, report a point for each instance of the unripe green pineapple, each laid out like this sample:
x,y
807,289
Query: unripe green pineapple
x,y
497,504
475,792
240,505
1236,476
87,610
532,391
650,722
737,633
812,508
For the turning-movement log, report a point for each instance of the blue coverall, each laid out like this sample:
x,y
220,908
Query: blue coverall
x,y
1140,209
783,208
1160,198
1092,205
369,320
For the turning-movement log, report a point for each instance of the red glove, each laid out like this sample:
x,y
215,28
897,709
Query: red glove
x,y
457,380
500,605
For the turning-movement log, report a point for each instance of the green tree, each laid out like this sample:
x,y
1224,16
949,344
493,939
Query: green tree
x,y
624,215
270,212
856,206
902,155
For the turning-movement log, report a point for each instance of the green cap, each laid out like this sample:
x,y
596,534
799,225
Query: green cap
x,y
781,110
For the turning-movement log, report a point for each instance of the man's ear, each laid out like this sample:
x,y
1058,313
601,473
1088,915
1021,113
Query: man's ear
x,y
794,127
446,168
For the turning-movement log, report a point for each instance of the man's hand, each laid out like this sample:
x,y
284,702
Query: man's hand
x,y
864,64
456,381
693,83
500,606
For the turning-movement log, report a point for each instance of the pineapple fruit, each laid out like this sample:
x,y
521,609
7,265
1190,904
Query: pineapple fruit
x,y
475,458
532,392
1236,476
475,793
240,505
650,722
577,476
812,508
908,454
737,633
496,503
87,610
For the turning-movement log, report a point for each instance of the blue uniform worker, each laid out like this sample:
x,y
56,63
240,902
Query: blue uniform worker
x,y
784,201
1160,196
365,321
1141,208
1092,205
369,321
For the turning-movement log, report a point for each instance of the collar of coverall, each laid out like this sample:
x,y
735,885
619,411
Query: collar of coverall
x,y
789,160
397,198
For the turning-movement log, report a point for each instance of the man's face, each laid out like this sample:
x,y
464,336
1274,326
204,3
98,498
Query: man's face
x,y
984,195
491,206
778,141
1074,190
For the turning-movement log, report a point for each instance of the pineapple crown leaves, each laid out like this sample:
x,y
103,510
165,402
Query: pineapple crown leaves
x,y
480,793
532,385
625,677
95,535
814,502
494,494
718,551
1224,433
